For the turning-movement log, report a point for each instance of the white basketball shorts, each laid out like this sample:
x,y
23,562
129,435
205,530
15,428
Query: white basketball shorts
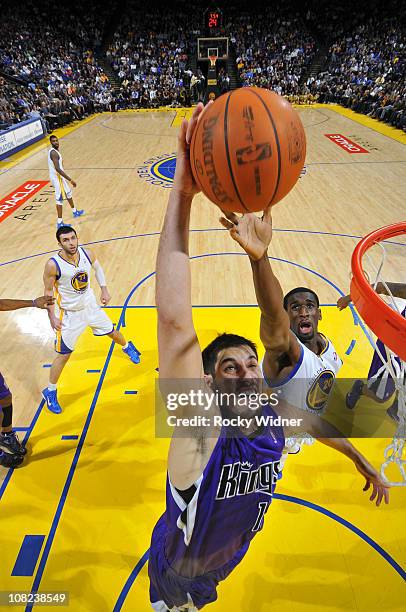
x,y
62,189
74,323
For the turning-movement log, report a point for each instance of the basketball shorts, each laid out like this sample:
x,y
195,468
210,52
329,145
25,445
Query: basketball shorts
x,y
170,591
74,323
62,189
4,390
379,379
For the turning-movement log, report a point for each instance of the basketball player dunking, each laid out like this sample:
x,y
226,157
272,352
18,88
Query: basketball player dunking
x,y
68,275
221,481
59,180
9,441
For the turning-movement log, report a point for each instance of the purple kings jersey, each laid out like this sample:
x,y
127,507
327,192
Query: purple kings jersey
x,y
226,506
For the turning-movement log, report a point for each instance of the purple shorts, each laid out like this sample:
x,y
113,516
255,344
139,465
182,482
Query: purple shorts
x,y
175,590
4,390
379,380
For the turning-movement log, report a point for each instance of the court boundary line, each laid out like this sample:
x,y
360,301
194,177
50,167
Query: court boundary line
x,y
379,127
209,229
28,431
287,261
288,498
42,144
372,124
68,481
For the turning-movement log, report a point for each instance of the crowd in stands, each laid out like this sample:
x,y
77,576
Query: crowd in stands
x,y
366,71
271,52
150,54
47,59
50,53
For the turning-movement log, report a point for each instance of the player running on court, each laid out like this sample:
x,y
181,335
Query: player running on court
x,y
67,274
9,441
221,481
60,180
380,386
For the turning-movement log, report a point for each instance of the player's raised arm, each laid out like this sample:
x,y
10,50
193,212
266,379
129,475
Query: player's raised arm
x,y
331,436
326,433
254,235
178,347
50,274
179,350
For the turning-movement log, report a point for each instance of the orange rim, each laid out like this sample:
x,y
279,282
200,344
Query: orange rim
x,y
386,323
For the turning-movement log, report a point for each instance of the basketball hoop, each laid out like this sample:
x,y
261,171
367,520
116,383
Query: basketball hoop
x,y
213,59
388,324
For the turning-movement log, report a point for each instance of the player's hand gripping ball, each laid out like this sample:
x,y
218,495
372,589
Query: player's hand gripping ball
x,y
248,150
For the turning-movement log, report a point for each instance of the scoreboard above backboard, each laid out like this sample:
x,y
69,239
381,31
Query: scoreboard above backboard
x,y
213,19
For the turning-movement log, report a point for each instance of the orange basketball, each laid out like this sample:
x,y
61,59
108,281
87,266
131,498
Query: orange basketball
x,y
248,150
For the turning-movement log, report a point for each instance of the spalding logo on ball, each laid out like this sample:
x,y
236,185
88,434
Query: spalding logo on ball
x,y
248,150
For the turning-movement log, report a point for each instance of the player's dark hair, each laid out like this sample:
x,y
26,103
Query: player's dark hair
x,y
299,290
51,137
64,229
223,341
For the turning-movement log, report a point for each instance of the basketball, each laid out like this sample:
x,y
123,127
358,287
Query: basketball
x,y
248,150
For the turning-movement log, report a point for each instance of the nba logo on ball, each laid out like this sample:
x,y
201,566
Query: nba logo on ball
x,y
248,150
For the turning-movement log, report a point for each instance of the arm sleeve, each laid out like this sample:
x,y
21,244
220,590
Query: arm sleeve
x,y
101,279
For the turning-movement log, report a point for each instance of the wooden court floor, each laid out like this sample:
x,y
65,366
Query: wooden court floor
x,y
93,485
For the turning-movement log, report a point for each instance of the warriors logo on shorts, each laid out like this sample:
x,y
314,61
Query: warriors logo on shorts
x,y
80,282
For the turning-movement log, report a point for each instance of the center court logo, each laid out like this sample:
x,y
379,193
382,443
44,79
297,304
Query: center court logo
x,y
158,170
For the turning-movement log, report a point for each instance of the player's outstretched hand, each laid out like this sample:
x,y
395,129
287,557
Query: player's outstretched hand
x,y
343,302
184,181
43,301
380,490
251,232
105,296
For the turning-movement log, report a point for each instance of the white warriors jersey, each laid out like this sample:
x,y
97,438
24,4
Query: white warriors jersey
x,y
53,175
72,285
311,380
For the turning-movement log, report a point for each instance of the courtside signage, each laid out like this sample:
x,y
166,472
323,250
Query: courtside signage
x,y
20,136
16,198
346,144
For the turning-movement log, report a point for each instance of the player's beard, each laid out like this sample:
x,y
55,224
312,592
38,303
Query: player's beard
x,y
69,252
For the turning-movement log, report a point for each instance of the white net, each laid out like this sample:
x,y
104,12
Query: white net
x,y
378,269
